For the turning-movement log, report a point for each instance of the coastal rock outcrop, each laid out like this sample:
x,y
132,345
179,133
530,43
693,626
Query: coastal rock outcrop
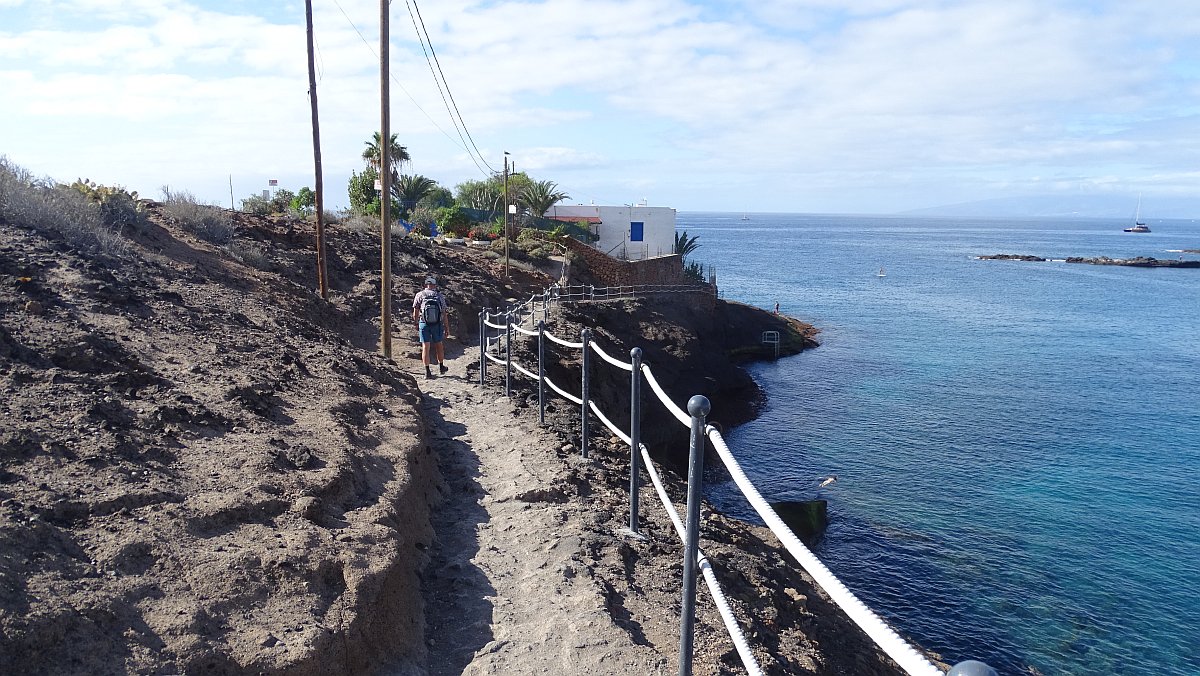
x,y
1013,257
1137,262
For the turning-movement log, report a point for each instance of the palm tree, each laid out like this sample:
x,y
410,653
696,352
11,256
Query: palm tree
x,y
539,196
397,153
685,245
411,188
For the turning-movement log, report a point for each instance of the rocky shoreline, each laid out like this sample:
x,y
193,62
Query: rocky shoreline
x,y
1136,262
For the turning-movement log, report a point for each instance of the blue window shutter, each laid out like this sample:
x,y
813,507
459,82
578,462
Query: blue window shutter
x,y
635,231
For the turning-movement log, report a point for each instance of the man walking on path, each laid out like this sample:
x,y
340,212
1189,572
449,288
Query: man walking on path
x,y
431,312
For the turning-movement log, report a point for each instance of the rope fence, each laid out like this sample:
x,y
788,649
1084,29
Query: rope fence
x,y
912,661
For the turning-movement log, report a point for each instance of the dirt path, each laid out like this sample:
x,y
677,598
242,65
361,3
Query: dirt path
x,y
506,590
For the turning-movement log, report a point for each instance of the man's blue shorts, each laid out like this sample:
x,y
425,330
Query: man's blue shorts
x,y
431,333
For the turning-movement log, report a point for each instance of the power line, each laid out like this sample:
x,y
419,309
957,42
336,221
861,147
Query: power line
x,y
406,92
442,75
438,83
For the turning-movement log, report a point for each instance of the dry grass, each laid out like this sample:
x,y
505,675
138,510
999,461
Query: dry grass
x,y
44,205
209,223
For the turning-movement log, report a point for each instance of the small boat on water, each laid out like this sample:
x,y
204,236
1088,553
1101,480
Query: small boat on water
x,y
1138,225
881,273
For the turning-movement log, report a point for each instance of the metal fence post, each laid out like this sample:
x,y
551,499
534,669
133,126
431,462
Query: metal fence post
x,y
635,435
583,436
541,373
508,354
698,406
482,346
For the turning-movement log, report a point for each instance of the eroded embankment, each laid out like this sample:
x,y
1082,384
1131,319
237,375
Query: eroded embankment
x,y
200,468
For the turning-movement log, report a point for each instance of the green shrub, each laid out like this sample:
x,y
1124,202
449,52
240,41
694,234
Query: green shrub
x,y
304,203
530,235
453,221
422,215
257,205
364,199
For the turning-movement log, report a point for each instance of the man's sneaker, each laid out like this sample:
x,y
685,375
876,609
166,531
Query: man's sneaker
x,y
428,373
442,367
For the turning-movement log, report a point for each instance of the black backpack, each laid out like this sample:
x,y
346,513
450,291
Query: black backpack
x,y
431,310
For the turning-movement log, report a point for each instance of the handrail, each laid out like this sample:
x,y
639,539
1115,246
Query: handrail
x,y
555,339
883,635
522,371
527,332
702,562
612,360
739,639
608,423
564,393
674,410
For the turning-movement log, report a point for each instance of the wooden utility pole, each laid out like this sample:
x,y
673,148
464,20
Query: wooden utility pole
x,y
322,281
506,214
385,182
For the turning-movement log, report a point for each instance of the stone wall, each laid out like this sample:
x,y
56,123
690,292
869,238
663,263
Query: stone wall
x,y
609,271
613,272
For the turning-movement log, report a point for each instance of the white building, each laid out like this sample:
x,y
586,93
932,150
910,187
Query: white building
x,y
631,233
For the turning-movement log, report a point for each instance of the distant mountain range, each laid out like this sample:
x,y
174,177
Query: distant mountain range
x,y
1068,206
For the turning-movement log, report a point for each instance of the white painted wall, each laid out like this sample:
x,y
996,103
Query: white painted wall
x,y
615,229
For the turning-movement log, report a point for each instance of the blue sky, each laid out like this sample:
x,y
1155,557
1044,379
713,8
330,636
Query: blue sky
x,y
847,106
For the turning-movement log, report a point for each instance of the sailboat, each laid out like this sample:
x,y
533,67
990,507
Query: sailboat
x,y
881,273
1138,225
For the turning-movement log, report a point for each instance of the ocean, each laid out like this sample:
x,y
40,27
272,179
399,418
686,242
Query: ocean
x,y
1016,444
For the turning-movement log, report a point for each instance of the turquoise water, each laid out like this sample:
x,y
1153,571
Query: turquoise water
x,y
1017,445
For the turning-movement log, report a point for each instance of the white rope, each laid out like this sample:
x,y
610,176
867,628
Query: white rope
x,y
491,357
608,423
884,636
615,362
560,341
666,401
532,376
710,578
563,392
491,325
527,332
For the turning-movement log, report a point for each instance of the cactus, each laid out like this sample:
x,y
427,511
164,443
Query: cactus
x,y
119,208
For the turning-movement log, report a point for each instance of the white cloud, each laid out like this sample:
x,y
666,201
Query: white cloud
x,y
872,97
549,159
